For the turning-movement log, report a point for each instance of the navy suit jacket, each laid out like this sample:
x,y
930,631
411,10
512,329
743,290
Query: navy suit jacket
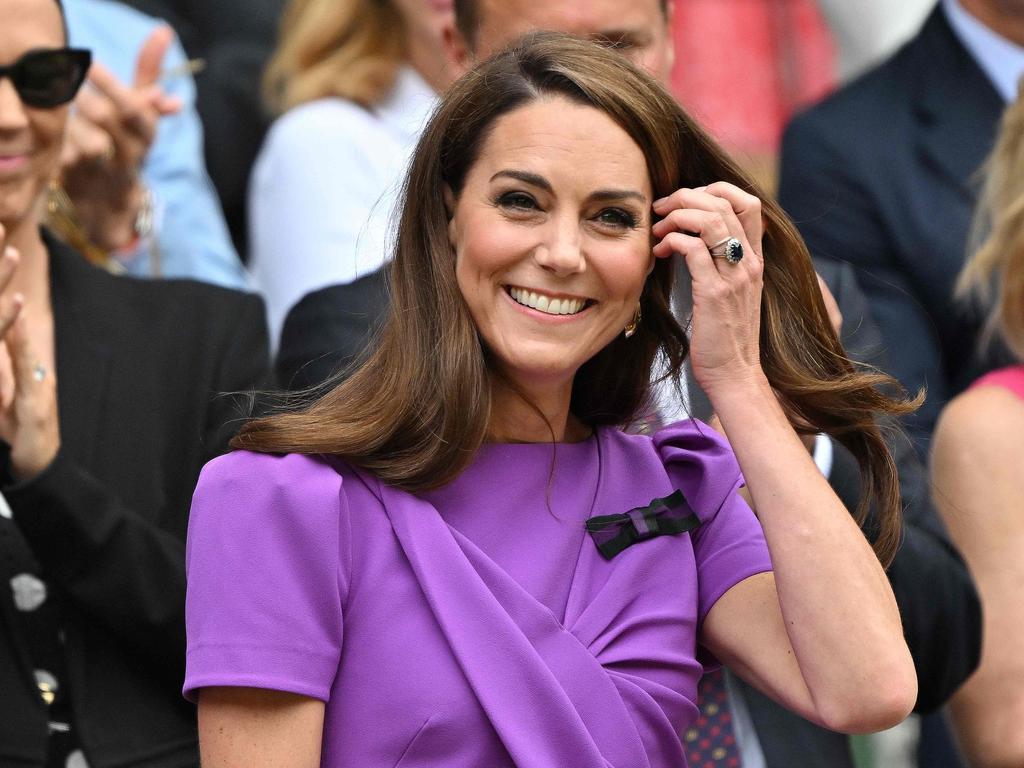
x,y
884,175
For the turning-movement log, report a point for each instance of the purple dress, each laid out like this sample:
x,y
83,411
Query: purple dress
x,y
477,624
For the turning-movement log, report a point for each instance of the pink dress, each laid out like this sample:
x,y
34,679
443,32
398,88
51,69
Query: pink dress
x,y
1011,378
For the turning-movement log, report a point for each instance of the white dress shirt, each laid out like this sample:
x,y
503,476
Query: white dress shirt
x,y
325,189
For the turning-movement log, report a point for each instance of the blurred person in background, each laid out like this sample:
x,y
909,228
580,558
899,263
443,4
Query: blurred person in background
x,y
109,407
867,31
353,82
978,466
133,165
234,40
883,175
781,59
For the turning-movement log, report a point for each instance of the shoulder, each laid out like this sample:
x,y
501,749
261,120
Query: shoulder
x,y
138,314
886,89
329,143
984,423
182,308
335,120
287,492
293,477
697,460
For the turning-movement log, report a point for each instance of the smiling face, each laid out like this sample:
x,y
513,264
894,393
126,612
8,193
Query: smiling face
x,y
30,139
551,233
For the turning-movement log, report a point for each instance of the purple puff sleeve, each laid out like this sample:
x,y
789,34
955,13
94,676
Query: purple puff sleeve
x,y
729,545
267,563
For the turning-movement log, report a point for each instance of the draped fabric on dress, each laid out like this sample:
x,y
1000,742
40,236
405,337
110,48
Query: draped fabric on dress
x,y
610,683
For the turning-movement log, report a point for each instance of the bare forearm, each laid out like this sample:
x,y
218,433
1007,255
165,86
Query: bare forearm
x,y
839,611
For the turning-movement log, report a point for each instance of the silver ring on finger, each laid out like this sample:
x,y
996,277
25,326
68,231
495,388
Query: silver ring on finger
x,y
730,249
38,371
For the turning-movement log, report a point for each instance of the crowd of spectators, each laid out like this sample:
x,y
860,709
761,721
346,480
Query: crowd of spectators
x,y
214,234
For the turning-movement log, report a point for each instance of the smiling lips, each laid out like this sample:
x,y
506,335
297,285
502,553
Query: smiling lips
x,y
547,304
12,161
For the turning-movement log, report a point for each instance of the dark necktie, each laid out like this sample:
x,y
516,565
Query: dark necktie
x,y
711,742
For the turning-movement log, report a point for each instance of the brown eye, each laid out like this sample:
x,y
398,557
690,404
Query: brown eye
x,y
519,201
616,217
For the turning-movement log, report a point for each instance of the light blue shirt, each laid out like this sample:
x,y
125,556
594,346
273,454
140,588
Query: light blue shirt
x,y
1000,59
191,235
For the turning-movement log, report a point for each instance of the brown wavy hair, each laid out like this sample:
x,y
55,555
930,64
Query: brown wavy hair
x,y
416,411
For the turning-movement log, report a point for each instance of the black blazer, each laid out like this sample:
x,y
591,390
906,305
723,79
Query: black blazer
x,y
883,175
139,368
330,328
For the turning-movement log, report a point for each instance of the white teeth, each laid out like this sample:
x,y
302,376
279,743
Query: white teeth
x,y
544,304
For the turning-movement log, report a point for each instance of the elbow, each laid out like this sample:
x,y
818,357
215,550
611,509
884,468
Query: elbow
x,y
884,702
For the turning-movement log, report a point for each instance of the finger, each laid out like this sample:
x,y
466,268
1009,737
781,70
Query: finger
x,y
8,266
86,142
97,108
747,207
24,360
127,110
701,200
10,311
169,105
151,56
694,252
6,378
710,226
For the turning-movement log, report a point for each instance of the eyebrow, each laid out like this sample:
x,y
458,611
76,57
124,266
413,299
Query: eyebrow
x,y
601,195
614,35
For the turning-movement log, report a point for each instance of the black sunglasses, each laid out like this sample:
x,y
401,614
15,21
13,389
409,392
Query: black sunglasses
x,y
48,78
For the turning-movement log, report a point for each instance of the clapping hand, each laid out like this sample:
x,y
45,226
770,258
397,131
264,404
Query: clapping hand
x,y
28,390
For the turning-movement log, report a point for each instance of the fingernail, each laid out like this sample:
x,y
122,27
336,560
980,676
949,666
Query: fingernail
x,y
699,189
659,201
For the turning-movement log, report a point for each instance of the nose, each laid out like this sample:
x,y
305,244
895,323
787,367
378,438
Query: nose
x,y
561,251
12,111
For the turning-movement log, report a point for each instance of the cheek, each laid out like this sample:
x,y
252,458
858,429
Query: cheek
x,y
48,129
484,248
631,269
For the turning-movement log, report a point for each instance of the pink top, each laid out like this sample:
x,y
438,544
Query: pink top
x,y
1011,378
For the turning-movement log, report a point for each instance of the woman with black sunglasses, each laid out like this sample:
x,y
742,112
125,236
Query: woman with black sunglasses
x,y
107,412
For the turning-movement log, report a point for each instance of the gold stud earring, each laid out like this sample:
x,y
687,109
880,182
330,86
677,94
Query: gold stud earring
x,y
631,328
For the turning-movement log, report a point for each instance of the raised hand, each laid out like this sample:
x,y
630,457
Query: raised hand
x,y
110,131
697,223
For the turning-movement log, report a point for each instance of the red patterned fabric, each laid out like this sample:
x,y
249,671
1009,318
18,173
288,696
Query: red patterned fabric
x,y
711,743
744,66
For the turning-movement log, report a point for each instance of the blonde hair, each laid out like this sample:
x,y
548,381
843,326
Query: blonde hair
x,y
348,49
994,275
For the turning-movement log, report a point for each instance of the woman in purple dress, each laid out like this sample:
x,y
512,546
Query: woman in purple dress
x,y
457,557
